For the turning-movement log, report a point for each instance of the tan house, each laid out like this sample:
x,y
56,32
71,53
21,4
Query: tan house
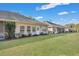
x,y
24,26
54,28
70,28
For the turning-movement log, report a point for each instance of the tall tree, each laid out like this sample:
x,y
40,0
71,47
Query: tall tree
x,y
10,29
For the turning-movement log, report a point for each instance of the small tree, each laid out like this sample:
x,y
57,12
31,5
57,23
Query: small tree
x,y
10,29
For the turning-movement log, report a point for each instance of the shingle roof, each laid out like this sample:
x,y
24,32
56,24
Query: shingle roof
x,y
8,15
54,24
12,16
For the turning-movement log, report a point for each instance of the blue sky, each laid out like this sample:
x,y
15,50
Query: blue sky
x,y
61,13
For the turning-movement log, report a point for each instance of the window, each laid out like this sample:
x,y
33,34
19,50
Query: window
x,y
22,28
28,28
33,29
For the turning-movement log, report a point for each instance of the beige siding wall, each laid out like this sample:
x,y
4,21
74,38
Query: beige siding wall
x,y
38,31
50,29
17,30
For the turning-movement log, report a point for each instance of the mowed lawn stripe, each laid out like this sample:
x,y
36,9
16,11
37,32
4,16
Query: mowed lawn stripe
x,y
21,41
61,45
26,40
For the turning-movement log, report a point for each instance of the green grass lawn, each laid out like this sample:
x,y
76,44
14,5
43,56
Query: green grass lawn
x,y
44,45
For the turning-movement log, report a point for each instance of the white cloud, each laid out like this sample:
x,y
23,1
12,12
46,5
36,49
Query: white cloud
x,y
63,13
73,11
50,5
66,12
39,17
74,21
